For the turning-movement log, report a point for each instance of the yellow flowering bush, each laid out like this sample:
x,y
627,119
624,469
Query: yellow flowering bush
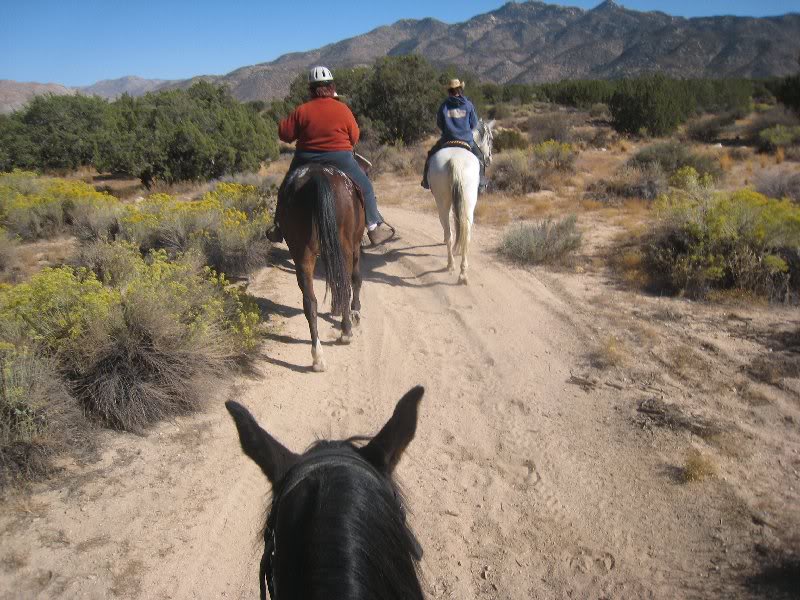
x,y
34,207
227,225
741,240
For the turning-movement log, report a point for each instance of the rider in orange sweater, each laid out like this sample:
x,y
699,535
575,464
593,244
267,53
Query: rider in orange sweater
x,y
326,132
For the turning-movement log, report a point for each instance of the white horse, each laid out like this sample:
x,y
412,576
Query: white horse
x,y
454,176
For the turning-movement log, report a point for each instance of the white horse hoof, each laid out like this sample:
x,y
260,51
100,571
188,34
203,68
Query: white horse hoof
x,y
451,267
355,316
320,366
463,279
346,339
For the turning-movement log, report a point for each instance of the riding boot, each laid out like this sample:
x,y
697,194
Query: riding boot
x,y
484,182
436,147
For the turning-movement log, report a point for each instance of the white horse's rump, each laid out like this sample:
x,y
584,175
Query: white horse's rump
x,y
454,176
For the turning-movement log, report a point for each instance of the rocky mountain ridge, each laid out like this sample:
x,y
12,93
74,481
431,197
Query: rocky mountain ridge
x,y
530,42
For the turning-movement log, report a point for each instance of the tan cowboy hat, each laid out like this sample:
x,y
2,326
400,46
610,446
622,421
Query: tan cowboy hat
x,y
454,83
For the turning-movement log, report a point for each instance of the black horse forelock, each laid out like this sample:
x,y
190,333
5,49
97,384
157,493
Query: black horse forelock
x,y
362,545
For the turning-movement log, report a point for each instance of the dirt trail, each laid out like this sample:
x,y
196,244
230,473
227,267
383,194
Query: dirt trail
x,y
521,484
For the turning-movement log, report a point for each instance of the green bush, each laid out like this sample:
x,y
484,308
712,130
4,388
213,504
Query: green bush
x,y
742,240
509,139
649,104
673,155
779,136
542,242
555,155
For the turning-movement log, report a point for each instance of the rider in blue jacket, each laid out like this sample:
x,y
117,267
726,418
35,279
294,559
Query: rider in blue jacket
x,y
456,120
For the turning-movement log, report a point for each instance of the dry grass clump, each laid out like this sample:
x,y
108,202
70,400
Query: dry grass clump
x,y
698,467
780,183
647,182
610,353
9,257
775,367
555,126
512,172
543,242
38,418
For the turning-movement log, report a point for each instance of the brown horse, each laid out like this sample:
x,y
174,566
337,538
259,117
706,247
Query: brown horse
x,y
322,215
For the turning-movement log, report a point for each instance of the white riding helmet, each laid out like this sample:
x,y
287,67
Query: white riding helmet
x,y
320,74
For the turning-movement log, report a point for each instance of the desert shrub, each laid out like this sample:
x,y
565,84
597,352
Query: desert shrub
x,y
227,225
555,155
778,137
546,241
509,139
551,126
742,240
599,110
8,252
34,207
647,183
140,352
779,183
500,111
708,129
673,155
38,417
514,172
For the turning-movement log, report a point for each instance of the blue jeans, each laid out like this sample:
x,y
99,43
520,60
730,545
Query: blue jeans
x,y
346,162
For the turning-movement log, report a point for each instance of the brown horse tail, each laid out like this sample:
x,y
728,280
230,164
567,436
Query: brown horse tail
x,y
330,247
459,208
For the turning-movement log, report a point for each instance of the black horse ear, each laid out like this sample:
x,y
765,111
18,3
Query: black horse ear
x,y
385,449
267,452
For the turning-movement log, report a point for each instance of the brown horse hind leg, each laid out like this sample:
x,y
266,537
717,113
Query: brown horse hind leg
x,y
355,306
305,279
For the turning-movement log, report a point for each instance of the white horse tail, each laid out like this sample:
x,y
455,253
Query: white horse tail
x,y
459,208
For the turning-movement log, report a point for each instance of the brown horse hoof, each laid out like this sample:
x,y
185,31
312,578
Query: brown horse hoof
x,y
355,316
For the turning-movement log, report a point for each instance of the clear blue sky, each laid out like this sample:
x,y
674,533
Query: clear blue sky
x,y
78,42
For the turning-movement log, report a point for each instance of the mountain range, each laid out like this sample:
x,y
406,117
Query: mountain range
x,y
521,42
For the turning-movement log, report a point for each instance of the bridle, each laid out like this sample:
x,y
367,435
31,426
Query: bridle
x,y
324,458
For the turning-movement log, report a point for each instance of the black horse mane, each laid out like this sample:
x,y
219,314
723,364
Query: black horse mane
x,y
362,547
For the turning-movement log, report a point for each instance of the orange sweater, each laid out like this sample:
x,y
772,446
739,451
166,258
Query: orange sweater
x,y
320,125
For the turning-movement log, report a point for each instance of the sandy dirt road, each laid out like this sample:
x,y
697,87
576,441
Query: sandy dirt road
x,y
521,484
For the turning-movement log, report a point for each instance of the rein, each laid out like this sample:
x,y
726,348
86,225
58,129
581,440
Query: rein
x,y
332,457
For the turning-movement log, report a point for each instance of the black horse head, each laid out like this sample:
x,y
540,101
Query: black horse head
x,y
336,528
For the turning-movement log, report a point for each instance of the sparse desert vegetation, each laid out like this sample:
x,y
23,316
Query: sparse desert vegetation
x,y
636,286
